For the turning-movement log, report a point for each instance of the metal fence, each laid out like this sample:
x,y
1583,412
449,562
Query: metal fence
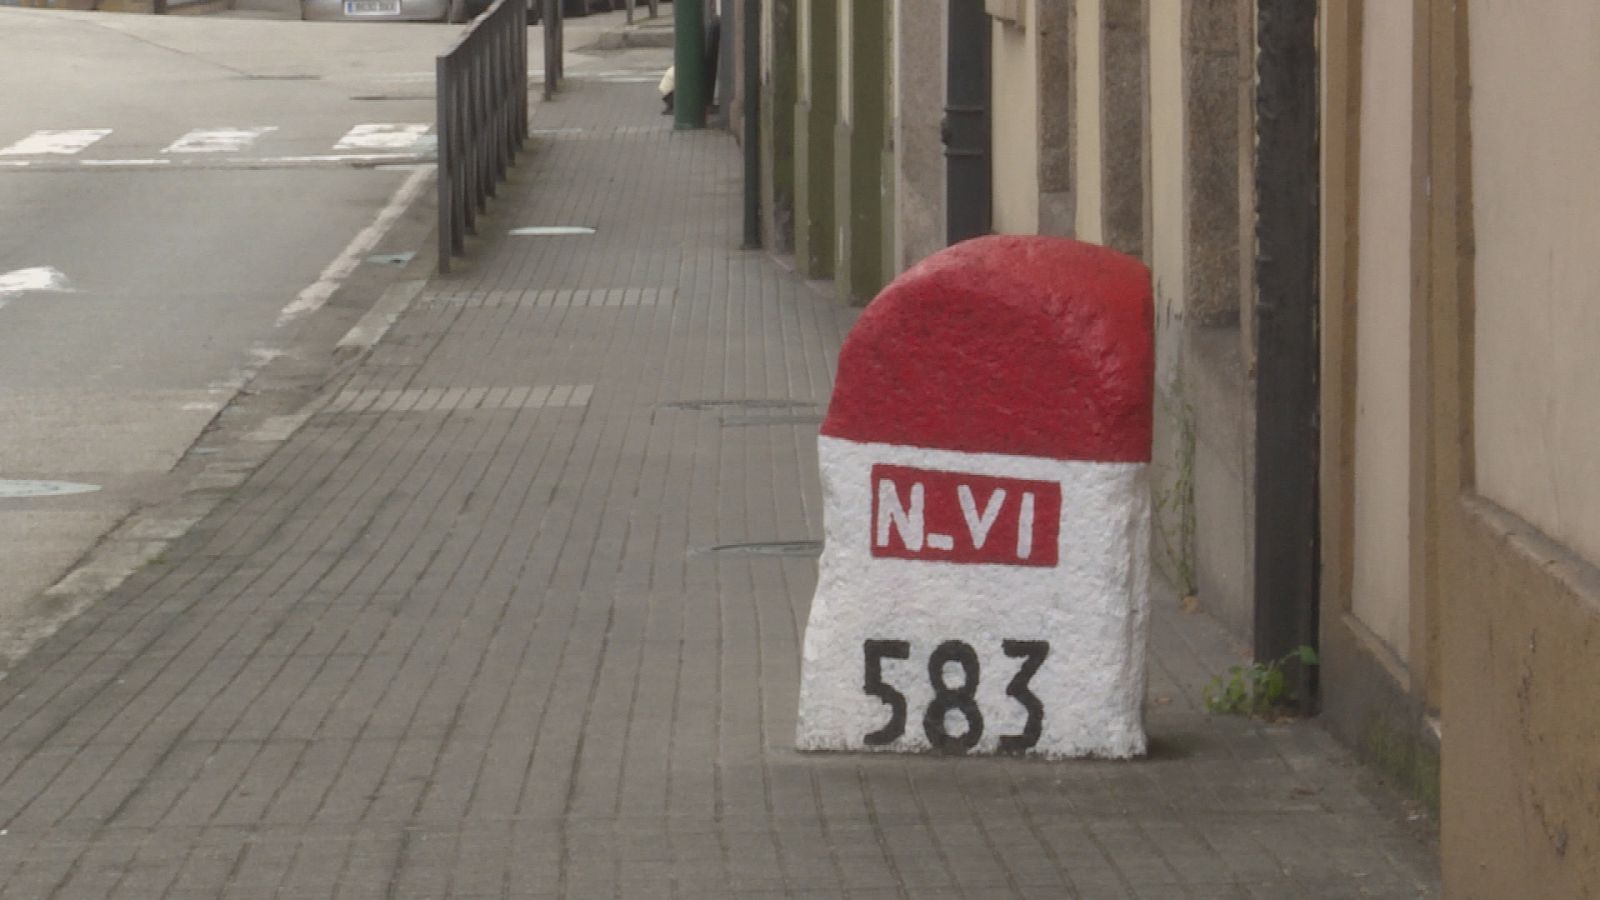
x,y
482,91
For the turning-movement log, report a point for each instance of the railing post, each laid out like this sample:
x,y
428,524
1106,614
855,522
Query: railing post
x,y
520,58
552,11
445,132
480,171
498,97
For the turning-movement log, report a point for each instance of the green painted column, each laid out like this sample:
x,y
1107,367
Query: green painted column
x,y
778,95
815,112
858,150
688,60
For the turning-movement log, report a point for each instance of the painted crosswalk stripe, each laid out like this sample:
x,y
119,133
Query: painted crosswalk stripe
x,y
55,143
383,136
218,140
127,162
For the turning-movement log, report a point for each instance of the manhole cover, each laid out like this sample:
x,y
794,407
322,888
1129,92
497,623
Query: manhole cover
x,y
770,548
391,259
11,489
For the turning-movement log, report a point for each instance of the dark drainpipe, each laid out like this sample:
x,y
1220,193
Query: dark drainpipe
x,y
965,130
750,15
1288,236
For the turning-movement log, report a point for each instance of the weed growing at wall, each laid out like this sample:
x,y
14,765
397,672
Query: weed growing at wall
x,y
1259,689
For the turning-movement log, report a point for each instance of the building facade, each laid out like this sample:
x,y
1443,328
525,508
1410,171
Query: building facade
x,y
1378,427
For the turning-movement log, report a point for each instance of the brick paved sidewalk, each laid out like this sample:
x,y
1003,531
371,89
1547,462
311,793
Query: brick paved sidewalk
x,y
469,632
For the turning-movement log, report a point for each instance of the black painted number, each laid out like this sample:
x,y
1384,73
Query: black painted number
x,y
876,652
1032,654
963,699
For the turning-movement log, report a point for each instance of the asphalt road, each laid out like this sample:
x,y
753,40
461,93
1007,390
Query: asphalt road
x,y
169,187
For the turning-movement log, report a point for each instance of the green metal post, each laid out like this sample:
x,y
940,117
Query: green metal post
x,y
689,60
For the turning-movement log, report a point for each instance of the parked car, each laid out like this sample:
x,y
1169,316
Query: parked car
x,y
391,10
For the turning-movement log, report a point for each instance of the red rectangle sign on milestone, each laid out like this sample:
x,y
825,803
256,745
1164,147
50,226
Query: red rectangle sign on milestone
x,y
958,517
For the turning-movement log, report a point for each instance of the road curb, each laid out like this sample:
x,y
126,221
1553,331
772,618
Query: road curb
x,y
634,36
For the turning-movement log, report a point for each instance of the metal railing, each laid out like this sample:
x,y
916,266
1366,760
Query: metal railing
x,y
482,95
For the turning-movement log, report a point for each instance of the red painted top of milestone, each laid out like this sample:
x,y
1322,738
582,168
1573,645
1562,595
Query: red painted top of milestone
x,y
1029,346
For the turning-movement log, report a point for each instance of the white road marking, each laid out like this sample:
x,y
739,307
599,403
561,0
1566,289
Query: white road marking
x,y
383,136
264,355
315,295
55,143
334,157
37,278
218,140
421,159
125,162
10,488
551,230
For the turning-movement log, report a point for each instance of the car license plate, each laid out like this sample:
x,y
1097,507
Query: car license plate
x,y
372,7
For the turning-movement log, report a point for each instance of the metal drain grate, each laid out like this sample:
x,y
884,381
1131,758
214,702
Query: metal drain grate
x,y
810,549
438,399
762,421
562,299
738,404
391,259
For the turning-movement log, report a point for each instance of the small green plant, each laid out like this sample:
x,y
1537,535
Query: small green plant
x,y
1258,689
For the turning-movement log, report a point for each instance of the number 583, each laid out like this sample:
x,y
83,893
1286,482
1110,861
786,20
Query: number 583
x,y
961,698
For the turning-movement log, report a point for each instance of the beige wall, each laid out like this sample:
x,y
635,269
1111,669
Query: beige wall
x,y
1015,94
1087,84
846,57
1380,589
1536,93
1167,208
919,190
803,48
